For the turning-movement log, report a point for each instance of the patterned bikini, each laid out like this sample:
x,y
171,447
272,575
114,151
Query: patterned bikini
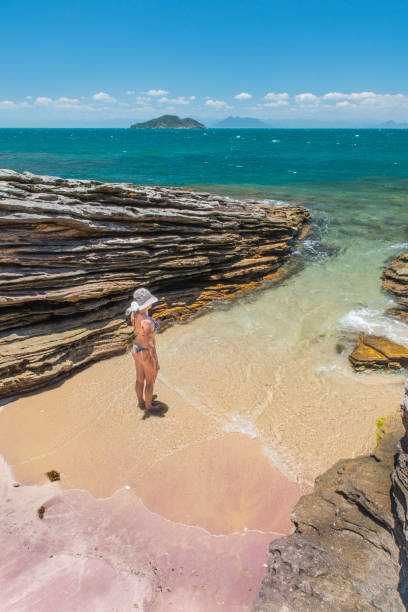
x,y
138,348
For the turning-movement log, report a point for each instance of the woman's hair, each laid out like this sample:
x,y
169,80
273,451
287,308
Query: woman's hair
x,y
134,307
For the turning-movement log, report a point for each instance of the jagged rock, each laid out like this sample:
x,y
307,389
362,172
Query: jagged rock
x,y
378,352
72,251
395,280
400,498
395,276
343,554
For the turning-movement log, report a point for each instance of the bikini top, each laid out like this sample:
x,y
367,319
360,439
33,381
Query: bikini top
x,y
155,323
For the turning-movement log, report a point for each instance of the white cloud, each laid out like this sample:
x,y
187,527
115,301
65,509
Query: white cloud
x,y
179,100
43,101
7,104
277,103
63,101
103,97
306,98
217,104
276,97
334,95
367,98
192,98
130,92
157,92
243,96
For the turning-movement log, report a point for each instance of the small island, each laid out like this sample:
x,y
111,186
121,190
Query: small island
x,y
170,122
241,123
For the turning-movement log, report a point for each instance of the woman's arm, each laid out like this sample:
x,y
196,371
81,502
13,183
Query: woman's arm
x,y
149,336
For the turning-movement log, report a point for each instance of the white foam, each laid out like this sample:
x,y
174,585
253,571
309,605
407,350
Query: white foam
x,y
280,202
237,424
333,368
373,321
400,246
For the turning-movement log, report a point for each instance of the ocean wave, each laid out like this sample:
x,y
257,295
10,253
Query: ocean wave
x,y
373,321
280,202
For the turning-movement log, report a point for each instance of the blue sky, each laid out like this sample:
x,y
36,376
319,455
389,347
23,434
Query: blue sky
x,y
109,62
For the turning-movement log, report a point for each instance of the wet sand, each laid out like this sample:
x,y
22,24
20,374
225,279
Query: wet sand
x,y
185,514
258,402
183,465
115,554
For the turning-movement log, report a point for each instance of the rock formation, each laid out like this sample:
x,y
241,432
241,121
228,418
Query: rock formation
x,y
395,279
378,352
73,251
400,498
345,552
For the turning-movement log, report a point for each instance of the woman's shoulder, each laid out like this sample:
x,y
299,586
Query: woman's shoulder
x,y
147,325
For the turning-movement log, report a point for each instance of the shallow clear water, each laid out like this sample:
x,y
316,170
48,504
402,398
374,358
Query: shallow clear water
x,y
274,365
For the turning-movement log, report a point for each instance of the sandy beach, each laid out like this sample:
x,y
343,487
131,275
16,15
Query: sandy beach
x,y
168,512
205,484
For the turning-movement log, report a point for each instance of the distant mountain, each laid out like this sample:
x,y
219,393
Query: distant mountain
x,y
170,122
393,125
241,122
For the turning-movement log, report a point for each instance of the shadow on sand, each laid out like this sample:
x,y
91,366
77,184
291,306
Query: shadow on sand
x,y
158,409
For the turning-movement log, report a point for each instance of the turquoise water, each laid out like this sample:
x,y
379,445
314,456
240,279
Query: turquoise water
x,y
298,159
291,384
331,171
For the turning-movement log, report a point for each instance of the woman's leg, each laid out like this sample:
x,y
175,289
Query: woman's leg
x,y
150,373
140,379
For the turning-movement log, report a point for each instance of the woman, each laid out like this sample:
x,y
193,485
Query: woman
x,y
144,346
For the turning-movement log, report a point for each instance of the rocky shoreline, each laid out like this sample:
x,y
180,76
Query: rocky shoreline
x,y
395,280
349,548
72,252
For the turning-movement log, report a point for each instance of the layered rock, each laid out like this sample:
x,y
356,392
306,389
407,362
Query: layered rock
x,y
378,352
72,252
395,280
400,498
344,554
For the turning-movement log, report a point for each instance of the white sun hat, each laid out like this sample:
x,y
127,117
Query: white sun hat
x,y
142,298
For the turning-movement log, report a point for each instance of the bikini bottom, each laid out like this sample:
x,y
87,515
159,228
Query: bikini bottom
x,y
138,348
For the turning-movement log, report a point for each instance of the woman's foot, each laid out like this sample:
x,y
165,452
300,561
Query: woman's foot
x,y
142,405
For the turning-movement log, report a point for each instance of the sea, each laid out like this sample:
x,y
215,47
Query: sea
x,y
273,365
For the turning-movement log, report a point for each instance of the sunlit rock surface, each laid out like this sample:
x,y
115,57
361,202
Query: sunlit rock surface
x,y
395,280
400,497
72,251
344,554
378,352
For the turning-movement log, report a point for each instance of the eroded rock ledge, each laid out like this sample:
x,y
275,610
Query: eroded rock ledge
x,y
376,352
395,280
346,552
72,252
